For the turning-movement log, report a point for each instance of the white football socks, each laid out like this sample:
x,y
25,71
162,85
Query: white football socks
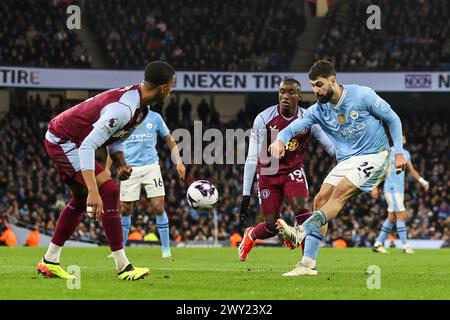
x,y
121,260
53,253
310,263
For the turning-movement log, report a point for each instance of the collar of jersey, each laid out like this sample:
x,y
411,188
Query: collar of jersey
x,y
336,106
288,119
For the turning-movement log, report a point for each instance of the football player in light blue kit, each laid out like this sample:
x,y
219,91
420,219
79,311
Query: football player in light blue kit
x,y
352,117
394,188
142,156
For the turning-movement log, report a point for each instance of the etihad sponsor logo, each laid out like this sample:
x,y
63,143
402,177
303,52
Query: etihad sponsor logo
x,y
354,131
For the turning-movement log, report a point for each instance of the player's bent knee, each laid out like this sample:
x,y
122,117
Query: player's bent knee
x,y
159,210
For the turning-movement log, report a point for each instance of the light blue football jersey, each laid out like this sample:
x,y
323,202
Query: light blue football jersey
x,y
140,146
354,124
396,182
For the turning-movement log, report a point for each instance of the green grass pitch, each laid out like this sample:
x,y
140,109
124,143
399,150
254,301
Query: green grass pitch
x,y
216,273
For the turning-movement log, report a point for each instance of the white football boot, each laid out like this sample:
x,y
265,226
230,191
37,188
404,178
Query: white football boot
x,y
408,249
301,269
378,247
294,234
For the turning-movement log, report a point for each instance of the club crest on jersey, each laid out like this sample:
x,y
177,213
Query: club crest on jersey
x,y
265,194
341,118
354,114
292,145
149,126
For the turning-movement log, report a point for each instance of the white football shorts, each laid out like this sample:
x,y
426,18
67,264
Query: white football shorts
x,y
395,201
365,171
147,176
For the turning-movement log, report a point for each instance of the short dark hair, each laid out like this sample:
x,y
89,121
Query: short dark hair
x,y
158,73
292,80
321,69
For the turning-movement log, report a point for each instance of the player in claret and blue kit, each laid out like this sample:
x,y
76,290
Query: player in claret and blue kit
x,y
352,117
71,140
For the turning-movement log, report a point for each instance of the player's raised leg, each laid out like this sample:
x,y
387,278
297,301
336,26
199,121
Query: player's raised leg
x,y
343,192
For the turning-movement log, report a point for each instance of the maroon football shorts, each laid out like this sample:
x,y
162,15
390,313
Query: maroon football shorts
x,y
272,188
65,156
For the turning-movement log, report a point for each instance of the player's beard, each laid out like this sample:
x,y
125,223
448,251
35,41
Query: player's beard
x,y
327,97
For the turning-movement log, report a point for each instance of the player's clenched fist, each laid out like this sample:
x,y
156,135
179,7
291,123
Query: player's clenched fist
x,y
400,163
123,173
277,149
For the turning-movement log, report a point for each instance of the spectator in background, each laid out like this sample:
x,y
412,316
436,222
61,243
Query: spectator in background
x,y
203,111
413,36
33,238
214,34
186,109
7,236
172,113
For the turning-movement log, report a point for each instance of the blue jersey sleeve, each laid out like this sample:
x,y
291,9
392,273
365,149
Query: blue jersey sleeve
x,y
407,155
383,111
163,130
296,127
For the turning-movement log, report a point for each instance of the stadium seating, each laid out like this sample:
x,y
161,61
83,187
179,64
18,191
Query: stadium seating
x,y
33,33
30,192
198,35
414,35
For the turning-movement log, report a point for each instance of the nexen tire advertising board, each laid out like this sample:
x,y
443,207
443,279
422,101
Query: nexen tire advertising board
x,y
13,77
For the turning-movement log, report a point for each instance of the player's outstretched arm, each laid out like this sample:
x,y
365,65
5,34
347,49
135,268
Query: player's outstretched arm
x,y
323,139
254,150
277,148
424,183
176,158
382,110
